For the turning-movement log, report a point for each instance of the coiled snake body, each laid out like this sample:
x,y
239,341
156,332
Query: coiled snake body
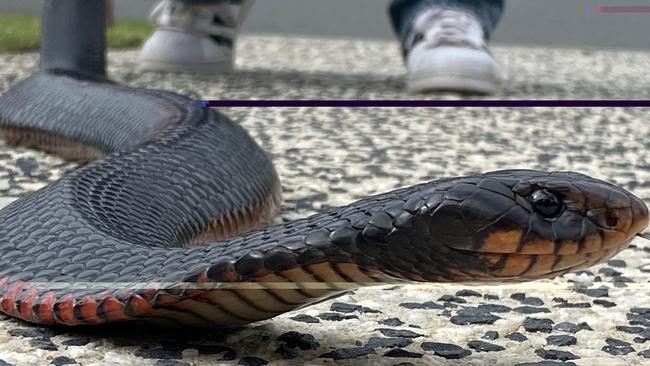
x,y
154,229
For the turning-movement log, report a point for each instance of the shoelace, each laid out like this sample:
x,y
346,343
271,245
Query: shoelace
x,y
442,26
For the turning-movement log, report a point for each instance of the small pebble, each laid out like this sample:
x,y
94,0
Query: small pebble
x,y
76,341
252,361
429,305
643,336
519,296
347,353
552,354
616,342
609,272
631,330
530,310
451,298
533,301
479,315
604,303
375,342
573,305
446,350
516,336
538,325
62,360
594,292
618,351
481,346
618,263
585,272
571,327
546,363
397,352
171,363
494,308
29,332
478,318
391,322
637,319
335,317
302,341
398,333
43,343
304,318
561,340
623,279
468,293
342,307
491,335
617,347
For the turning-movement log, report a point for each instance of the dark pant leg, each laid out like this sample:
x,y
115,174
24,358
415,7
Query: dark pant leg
x,y
208,2
233,13
404,12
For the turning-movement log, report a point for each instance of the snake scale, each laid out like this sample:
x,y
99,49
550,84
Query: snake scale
x,y
166,223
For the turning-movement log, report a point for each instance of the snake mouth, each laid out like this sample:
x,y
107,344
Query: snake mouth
x,y
520,267
499,267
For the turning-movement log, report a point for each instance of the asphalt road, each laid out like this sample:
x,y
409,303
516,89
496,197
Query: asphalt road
x,y
333,156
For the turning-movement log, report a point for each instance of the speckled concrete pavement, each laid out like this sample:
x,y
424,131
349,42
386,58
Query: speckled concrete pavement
x,y
332,156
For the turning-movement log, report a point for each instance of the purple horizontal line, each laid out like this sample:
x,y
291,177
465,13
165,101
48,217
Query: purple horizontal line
x,y
624,9
399,103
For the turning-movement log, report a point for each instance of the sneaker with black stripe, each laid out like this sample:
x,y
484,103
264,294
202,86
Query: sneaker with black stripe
x,y
193,38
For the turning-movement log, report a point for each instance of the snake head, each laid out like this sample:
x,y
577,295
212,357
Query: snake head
x,y
521,224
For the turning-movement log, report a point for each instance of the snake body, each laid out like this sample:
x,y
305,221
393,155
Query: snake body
x,y
167,222
116,240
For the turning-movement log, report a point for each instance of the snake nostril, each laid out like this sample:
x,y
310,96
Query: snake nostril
x,y
607,218
611,219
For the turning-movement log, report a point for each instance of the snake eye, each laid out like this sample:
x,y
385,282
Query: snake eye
x,y
546,203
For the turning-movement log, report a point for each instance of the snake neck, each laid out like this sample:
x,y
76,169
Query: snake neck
x,y
384,238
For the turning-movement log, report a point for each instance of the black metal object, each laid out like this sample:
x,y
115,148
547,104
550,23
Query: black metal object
x,y
73,37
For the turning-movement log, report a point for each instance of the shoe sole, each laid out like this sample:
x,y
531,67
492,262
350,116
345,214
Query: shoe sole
x,y
185,68
455,83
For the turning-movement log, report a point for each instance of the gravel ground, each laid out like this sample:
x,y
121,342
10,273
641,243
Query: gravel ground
x,y
330,157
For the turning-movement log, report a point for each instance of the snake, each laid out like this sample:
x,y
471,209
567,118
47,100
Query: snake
x,y
168,220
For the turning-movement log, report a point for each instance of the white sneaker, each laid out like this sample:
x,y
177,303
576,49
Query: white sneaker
x,y
193,38
446,50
